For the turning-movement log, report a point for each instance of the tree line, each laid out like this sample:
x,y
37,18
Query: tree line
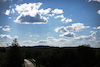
x,y
81,56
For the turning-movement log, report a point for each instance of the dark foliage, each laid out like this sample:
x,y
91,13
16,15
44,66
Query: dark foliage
x,y
14,57
82,56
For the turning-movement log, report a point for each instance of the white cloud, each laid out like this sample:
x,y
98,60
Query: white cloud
x,y
30,13
27,41
93,0
3,44
93,33
96,27
74,27
68,20
31,7
61,29
51,41
59,42
7,12
63,19
16,36
13,11
9,17
89,37
50,15
6,29
46,11
63,40
57,11
50,38
43,41
67,34
7,26
59,16
5,36
0,26
98,12
27,19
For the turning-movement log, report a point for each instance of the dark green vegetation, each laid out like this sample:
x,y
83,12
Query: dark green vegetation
x,y
45,56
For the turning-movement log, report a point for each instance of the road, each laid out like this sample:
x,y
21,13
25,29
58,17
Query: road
x,y
28,63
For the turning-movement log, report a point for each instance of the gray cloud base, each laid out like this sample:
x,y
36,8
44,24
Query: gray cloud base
x,y
31,20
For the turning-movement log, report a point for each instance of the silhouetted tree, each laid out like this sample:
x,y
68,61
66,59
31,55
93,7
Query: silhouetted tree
x,y
14,55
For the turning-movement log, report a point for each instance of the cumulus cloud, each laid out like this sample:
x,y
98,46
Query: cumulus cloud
x,y
61,29
27,41
46,11
74,27
5,36
6,29
31,7
27,19
59,16
7,12
89,37
93,33
60,40
68,20
67,34
12,11
50,15
30,13
96,27
63,19
57,11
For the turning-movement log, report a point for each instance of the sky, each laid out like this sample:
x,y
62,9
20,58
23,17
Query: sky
x,y
59,23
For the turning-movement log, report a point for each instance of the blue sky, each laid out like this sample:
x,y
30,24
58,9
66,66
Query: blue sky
x,y
50,22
